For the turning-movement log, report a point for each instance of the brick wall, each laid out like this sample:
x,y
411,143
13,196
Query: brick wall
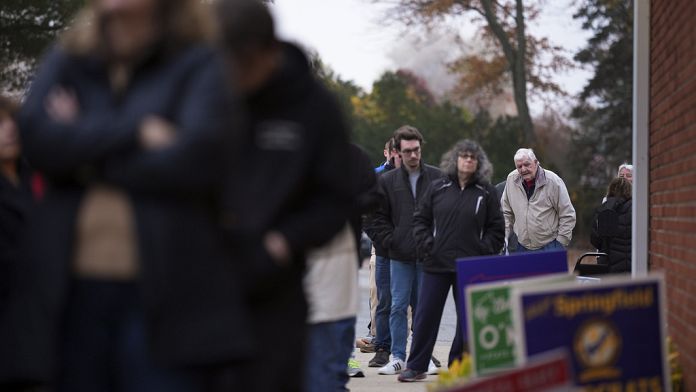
x,y
673,167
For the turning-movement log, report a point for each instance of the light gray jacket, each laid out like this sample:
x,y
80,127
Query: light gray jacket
x,y
546,216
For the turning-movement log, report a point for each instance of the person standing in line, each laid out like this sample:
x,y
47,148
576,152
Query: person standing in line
x,y
286,191
400,191
611,228
625,171
379,278
458,216
536,206
127,282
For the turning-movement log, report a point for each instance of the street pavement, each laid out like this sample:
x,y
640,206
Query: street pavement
x,y
383,383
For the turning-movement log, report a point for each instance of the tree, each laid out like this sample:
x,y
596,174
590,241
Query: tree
x,y
27,27
605,108
516,55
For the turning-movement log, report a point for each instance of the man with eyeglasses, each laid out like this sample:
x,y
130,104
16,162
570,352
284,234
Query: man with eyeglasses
x,y
536,205
400,190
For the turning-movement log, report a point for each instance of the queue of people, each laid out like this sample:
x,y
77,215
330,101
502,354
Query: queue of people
x,y
184,207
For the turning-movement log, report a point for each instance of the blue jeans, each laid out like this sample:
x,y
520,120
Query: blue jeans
x,y
382,280
329,347
553,245
405,284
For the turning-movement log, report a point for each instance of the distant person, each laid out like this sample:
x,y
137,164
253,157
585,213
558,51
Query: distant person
x,y
625,171
536,206
511,241
392,228
129,119
457,216
611,228
287,193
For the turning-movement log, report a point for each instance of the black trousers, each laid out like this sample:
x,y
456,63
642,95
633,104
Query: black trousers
x,y
431,302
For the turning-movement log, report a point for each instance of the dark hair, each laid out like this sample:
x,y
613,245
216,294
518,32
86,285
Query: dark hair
x,y
484,169
244,25
8,107
389,145
620,187
406,132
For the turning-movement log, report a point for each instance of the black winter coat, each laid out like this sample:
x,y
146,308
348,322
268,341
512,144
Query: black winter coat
x,y
451,223
392,224
290,176
193,308
612,234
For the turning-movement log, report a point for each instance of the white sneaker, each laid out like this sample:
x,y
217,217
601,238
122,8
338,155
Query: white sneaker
x,y
432,369
393,367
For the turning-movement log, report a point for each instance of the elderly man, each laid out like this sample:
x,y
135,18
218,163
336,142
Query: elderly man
x,y
536,206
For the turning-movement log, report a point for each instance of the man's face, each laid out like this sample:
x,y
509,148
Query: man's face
x,y
527,168
410,153
626,173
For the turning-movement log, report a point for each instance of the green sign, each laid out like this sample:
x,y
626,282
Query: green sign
x,y
491,330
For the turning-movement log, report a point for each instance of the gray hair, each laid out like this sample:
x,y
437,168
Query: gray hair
x,y
625,166
523,153
484,169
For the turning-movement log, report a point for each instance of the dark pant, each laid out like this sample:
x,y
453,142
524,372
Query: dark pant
x,y
431,302
103,344
383,283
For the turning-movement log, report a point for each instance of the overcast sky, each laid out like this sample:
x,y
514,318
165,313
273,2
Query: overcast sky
x,y
350,37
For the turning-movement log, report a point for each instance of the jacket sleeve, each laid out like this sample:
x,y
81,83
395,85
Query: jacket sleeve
x,y
74,150
566,215
379,226
325,209
494,227
508,213
205,120
423,224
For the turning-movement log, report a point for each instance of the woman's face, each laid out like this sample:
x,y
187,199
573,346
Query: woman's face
x,y
129,26
9,139
467,163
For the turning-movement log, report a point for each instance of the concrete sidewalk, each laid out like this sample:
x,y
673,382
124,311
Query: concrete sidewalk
x,y
377,382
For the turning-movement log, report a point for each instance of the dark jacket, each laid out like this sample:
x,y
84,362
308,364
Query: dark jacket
x,y
611,233
191,297
290,177
379,249
364,184
392,225
451,223
16,201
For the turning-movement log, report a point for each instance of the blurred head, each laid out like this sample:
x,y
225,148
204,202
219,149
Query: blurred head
x,y
407,141
626,171
620,187
124,30
467,159
247,36
526,163
9,135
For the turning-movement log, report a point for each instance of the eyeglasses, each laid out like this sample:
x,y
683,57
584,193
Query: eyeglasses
x,y
414,151
468,156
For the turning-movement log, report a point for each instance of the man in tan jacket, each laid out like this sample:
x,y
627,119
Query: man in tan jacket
x,y
536,206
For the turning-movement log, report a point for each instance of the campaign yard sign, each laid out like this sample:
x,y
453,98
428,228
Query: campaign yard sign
x,y
472,270
614,330
490,327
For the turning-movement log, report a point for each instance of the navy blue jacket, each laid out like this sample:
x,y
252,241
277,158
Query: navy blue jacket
x,y
191,296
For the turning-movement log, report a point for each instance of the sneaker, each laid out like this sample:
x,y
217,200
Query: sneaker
x,y
365,345
393,367
432,368
380,359
410,375
354,368
436,361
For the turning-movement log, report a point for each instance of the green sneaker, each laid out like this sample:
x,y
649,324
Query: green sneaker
x,y
354,368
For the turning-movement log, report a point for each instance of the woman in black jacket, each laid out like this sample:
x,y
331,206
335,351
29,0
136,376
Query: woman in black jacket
x,y
128,283
611,231
458,216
